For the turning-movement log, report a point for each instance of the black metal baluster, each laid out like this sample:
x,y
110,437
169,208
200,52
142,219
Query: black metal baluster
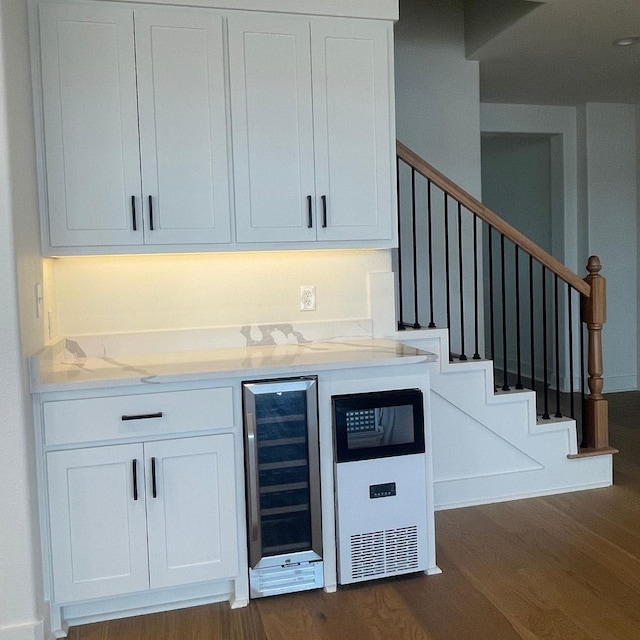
x,y
532,326
446,262
462,346
416,322
400,287
556,314
432,324
476,297
571,390
518,336
503,283
545,366
491,314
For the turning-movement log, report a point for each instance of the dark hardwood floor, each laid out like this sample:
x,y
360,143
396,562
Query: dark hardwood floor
x,y
563,567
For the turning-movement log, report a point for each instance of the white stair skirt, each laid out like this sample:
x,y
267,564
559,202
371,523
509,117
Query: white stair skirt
x,y
488,447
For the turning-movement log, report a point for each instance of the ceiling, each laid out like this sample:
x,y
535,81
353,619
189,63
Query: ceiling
x,y
554,52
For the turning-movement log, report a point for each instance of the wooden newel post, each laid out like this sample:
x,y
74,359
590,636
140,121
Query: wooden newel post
x,y
596,425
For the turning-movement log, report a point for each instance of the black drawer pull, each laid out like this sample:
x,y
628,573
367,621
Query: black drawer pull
x,y
133,213
142,416
135,479
150,214
310,210
154,490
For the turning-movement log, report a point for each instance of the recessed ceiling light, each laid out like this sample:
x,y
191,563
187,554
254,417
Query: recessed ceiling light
x,y
626,41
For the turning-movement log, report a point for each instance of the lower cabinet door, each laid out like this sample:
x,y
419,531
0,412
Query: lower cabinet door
x,y
191,510
98,522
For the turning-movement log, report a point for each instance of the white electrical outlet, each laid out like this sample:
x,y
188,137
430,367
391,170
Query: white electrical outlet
x,y
307,298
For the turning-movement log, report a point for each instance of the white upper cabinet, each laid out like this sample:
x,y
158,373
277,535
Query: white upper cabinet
x,y
110,181
270,70
352,124
194,129
312,129
183,126
91,125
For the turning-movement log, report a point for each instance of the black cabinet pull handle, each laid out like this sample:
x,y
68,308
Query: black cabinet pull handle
x,y
150,214
142,416
310,211
324,211
154,489
135,479
133,213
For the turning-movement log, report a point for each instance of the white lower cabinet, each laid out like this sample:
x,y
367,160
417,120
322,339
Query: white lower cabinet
x,y
98,528
191,520
133,517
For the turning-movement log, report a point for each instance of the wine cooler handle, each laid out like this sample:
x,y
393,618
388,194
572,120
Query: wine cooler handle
x,y
252,448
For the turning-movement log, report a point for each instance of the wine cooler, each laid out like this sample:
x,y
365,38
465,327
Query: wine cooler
x,y
283,485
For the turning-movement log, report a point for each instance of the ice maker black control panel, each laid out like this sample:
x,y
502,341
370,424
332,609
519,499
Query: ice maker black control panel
x,y
382,490
378,424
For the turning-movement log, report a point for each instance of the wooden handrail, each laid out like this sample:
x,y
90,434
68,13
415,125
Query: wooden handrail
x,y
477,208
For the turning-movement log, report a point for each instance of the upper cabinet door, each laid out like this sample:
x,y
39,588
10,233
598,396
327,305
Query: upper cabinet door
x,y
183,126
353,128
91,124
270,72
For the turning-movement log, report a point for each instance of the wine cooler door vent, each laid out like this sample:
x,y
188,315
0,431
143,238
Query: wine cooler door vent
x,y
286,579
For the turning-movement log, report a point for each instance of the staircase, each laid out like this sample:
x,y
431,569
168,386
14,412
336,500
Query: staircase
x,y
510,317
489,446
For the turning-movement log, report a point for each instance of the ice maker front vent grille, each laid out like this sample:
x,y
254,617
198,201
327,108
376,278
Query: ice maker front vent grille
x,y
380,553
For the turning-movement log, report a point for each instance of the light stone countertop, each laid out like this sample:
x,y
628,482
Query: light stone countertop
x,y
58,368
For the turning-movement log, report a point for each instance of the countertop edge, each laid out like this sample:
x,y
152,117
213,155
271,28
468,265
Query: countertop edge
x,y
343,362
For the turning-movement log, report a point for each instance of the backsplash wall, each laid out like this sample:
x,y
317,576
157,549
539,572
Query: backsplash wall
x,y
121,294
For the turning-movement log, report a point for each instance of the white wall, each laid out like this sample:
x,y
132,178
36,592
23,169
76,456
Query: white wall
x,y
20,268
555,121
438,117
611,200
600,208
516,182
437,90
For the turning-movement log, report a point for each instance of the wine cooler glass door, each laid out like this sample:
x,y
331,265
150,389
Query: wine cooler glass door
x,y
282,463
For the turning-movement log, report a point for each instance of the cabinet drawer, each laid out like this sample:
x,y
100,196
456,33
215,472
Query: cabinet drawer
x,y
92,419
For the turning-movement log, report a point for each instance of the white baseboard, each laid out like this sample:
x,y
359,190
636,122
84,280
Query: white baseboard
x,y
613,384
29,631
